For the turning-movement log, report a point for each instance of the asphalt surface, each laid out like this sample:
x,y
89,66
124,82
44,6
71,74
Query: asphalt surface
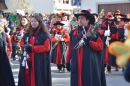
x,y
63,79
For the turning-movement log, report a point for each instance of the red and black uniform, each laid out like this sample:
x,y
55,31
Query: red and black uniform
x,y
109,59
85,61
59,52
120,33
9,46
38,73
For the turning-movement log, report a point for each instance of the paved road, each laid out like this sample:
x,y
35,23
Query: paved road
x,y
62,79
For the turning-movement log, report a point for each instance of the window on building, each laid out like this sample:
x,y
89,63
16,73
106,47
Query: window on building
x,y
66,1
59,1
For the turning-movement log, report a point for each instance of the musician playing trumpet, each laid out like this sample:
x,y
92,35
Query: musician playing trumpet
x,y
60,38
84,61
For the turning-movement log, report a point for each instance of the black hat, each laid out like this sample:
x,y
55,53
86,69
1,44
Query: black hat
x,y
95,14
125,17
87,14
58,23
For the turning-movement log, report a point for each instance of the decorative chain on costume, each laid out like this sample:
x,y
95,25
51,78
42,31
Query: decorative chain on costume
x,y
25,57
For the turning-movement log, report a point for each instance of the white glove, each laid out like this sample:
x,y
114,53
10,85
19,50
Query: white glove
x,y
107,33
126,32
57,36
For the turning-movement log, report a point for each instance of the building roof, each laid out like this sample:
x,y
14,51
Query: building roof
x,y
3,6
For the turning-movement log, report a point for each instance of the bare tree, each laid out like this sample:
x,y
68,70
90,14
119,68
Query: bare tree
x,y
22,5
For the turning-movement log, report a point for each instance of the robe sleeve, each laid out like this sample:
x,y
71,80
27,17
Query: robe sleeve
x,y
42,48
101,32
113,36
98,45
69,53
117,36
67,38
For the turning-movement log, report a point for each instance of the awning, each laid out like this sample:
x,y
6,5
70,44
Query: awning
x,y
3,6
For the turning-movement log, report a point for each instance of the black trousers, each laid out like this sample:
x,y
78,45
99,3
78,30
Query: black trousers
x,y
60,66
108,67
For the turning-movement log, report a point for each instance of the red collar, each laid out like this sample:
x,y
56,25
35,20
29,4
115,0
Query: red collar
x,y
37,31
121,26
60,30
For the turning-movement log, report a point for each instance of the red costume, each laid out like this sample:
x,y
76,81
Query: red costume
x,y
9,45
38,62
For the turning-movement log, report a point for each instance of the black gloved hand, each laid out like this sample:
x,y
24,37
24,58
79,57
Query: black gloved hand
x,y
28,48
68,66
88,40
92,34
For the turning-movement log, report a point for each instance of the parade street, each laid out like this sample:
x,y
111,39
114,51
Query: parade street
x,y
63,79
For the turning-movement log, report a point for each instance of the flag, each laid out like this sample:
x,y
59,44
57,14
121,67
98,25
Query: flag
x,y
75,2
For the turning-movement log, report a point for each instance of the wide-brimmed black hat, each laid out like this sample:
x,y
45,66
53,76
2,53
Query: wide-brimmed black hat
x,y
87,14
58,23
125,17
95,14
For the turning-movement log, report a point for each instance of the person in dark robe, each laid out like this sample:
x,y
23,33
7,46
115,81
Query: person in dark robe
x,y
85,62
35,64
127,72
117,14
122,32
60,38
6,75
108,32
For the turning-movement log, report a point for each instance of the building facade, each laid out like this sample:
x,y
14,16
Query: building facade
x,y
108,5
39,6
64,5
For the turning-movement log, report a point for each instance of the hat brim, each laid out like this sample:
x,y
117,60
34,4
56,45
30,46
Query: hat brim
x,y
59,24
117,14
88,16
110,19
127,19
95,14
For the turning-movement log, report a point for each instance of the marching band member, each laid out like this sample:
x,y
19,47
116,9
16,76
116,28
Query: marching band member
x,y
60,38
122,33
84,61
117,14
109,30
35,64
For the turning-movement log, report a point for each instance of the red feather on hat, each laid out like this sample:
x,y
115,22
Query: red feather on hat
x,y
61,13
109,13
128,15
89,10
